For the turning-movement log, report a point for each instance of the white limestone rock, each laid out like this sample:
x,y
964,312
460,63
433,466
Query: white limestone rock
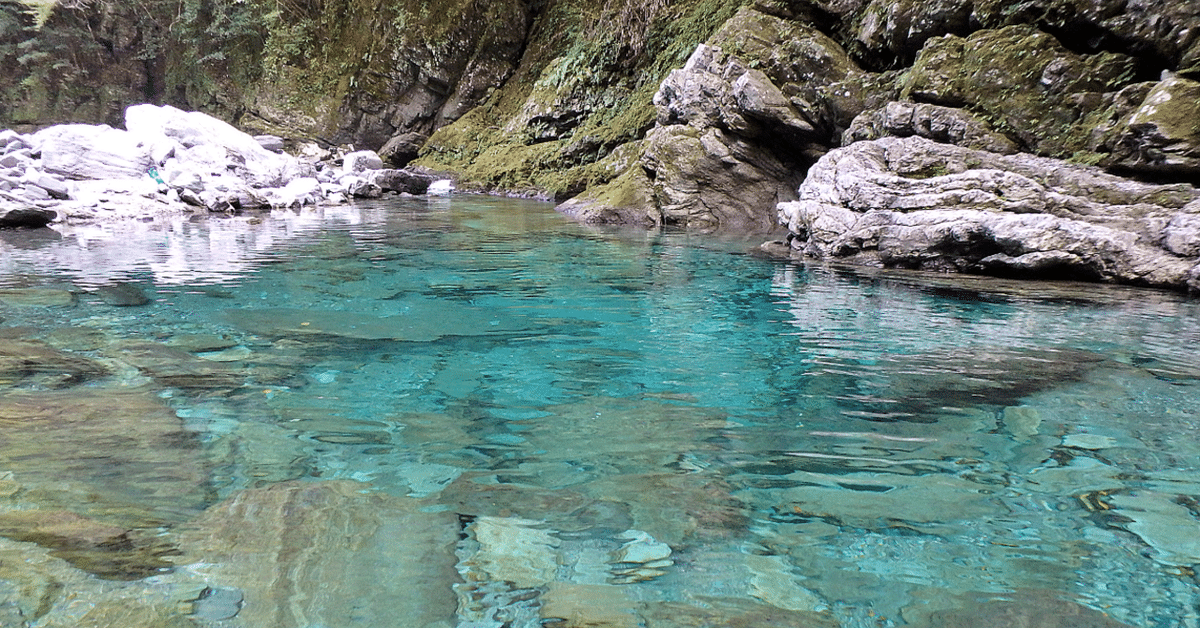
x,y
84,151
361,161
913,203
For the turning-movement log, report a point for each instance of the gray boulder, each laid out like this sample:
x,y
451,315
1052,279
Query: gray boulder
x,y
403,148
913,203
13,160
708,179
12,217
358,186
273,143
54,186
400,181
715,89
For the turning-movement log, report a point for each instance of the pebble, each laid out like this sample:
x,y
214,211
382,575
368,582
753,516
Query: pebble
x,y
218,604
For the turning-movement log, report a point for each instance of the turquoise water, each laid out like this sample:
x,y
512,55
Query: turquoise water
x,y
474,412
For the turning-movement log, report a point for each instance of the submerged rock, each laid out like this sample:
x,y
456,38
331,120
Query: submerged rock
x,y
419,321
913,203
93,546
24,362
123,295
65,448
37,297
1026,608
325,554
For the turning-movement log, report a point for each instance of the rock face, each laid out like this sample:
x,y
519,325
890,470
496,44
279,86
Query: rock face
x,y
914,203
703,114
730,137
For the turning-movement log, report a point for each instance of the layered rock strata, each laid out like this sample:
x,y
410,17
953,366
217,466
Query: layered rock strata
x,y
914,203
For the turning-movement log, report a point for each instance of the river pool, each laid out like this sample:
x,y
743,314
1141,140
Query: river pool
x,y
474,412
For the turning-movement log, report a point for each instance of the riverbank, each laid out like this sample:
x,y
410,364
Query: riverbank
x,y
167,161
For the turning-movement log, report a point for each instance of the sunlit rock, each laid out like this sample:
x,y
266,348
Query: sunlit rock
x,y
297,193
361,161
191,129
441,187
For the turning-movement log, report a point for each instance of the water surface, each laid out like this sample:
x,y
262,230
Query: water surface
x,y
474,412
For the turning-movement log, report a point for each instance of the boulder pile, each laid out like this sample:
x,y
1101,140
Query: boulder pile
x,y
167,161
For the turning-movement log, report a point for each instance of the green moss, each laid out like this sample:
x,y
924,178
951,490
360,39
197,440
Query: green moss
x,y
1022,82
607,76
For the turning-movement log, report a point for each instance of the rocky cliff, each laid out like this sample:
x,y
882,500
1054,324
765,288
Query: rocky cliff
x,y
702,113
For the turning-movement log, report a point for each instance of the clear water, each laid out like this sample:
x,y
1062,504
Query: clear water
x,y
474,412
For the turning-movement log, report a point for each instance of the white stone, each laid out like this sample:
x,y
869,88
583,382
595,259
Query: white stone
x,y
190,129
441,187
361,161
83,151
297,193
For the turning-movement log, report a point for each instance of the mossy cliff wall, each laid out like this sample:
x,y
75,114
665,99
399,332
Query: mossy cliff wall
x,y
612,105
344,71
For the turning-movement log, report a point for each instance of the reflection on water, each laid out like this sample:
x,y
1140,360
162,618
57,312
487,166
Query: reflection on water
x,y
472,412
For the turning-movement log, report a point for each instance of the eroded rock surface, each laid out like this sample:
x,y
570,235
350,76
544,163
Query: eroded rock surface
x,y
914,203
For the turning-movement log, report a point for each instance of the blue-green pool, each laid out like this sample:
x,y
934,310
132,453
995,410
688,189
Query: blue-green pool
x,y
474,412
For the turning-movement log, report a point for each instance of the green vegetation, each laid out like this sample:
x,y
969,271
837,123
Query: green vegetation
x,y
599,63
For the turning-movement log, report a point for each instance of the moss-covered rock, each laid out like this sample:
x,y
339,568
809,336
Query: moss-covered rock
x,y
583,88
1021,81
1161,136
